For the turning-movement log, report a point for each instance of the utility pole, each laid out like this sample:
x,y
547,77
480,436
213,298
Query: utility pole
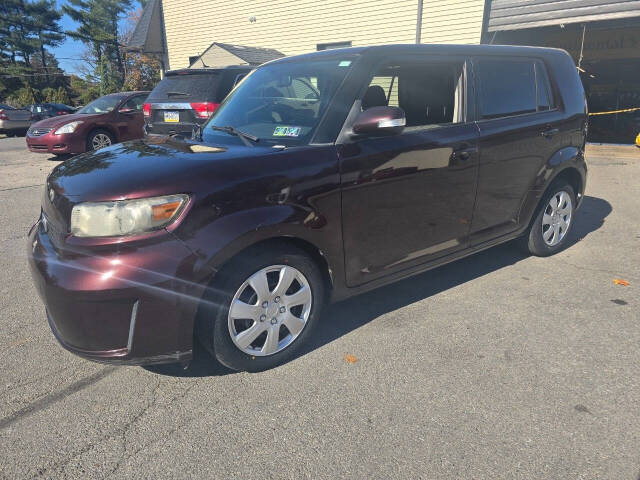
x,y
419,22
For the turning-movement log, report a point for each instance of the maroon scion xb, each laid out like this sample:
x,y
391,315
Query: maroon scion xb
x,y
319,177
110,119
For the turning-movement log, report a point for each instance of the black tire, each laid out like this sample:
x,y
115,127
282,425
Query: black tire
x,y
532,241
212,327
94,133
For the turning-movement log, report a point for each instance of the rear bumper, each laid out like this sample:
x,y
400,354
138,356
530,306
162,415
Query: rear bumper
x,y
129,306
60,144
14,125
162,128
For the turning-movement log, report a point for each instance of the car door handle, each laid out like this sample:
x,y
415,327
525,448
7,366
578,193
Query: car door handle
x,y
463,155
549,132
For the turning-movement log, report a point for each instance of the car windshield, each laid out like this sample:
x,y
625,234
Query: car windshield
x,y
280,103
101,105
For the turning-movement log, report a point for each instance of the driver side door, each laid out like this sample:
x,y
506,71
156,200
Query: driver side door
x,y
130,125
408,199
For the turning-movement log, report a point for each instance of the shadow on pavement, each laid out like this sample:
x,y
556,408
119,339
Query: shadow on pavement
x,y
589,218
202,365
60,158
343,317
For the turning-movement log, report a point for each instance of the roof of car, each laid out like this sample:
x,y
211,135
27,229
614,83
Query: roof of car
x,y
126,94
191,71
424,48
50,103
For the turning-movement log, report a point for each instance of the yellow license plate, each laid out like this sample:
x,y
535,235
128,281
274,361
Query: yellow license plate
x,y
171,117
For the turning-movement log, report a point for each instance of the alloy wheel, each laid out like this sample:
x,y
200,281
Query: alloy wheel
x,y
100,140
270,310
556,218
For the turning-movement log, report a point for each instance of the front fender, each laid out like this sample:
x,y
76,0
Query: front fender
x,y
228,235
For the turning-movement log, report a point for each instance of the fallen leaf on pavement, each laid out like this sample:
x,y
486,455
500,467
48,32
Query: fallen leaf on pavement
x,y
351,358
617,281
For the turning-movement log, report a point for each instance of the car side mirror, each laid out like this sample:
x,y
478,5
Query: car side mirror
x,y
380,121
126,110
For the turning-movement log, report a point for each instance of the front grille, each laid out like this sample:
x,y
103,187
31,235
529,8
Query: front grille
x,y
54,231
38,131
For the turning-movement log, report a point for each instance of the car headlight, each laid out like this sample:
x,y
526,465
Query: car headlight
x,y
125,217
68,128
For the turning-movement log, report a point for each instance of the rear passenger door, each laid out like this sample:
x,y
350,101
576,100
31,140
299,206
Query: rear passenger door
x,y
518,133
408,199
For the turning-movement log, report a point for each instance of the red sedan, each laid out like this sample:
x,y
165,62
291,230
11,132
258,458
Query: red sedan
x,y
107,120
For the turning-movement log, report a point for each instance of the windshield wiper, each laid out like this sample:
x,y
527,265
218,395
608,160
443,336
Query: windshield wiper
x,y
182,94
245,137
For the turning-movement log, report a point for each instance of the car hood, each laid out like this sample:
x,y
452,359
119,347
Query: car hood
x,y
153,166
56,122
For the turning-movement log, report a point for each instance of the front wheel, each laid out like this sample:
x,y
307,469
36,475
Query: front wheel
x,y
98,139
263,309
549,232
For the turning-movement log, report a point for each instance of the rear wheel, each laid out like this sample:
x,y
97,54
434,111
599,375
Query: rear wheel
x,y
263,308
98,139
549,230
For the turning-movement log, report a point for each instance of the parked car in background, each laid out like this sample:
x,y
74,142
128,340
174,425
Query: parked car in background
x,y
14,121
110,119
320,177
40,111
187,98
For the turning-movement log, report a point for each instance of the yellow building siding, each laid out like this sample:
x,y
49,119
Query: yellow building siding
x,y
452,21
298,26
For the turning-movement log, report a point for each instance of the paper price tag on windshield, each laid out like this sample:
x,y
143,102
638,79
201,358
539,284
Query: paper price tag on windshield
x,y
286,131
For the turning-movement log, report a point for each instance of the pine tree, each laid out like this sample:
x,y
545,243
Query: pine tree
x,y
46,24
98,21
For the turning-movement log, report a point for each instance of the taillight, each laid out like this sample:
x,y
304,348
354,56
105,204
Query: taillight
x,y
62,112
146,109
3,116
204,109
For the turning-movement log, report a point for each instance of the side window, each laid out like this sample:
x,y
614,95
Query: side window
x,y
507,87
389,85
430,94
135,103
545,100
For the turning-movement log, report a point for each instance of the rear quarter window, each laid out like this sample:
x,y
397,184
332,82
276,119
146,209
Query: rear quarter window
x,y
545,95
506,87
187,87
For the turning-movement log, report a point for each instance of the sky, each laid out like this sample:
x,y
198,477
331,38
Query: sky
x,y
68,54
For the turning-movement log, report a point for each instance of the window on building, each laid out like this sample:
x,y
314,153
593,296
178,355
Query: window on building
x,y
507,87
429,94
329,46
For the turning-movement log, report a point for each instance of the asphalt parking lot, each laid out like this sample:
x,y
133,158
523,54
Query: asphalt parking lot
x,y
496,366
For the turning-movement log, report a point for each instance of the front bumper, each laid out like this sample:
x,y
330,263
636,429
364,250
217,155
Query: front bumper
x,y
56,144
128,305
